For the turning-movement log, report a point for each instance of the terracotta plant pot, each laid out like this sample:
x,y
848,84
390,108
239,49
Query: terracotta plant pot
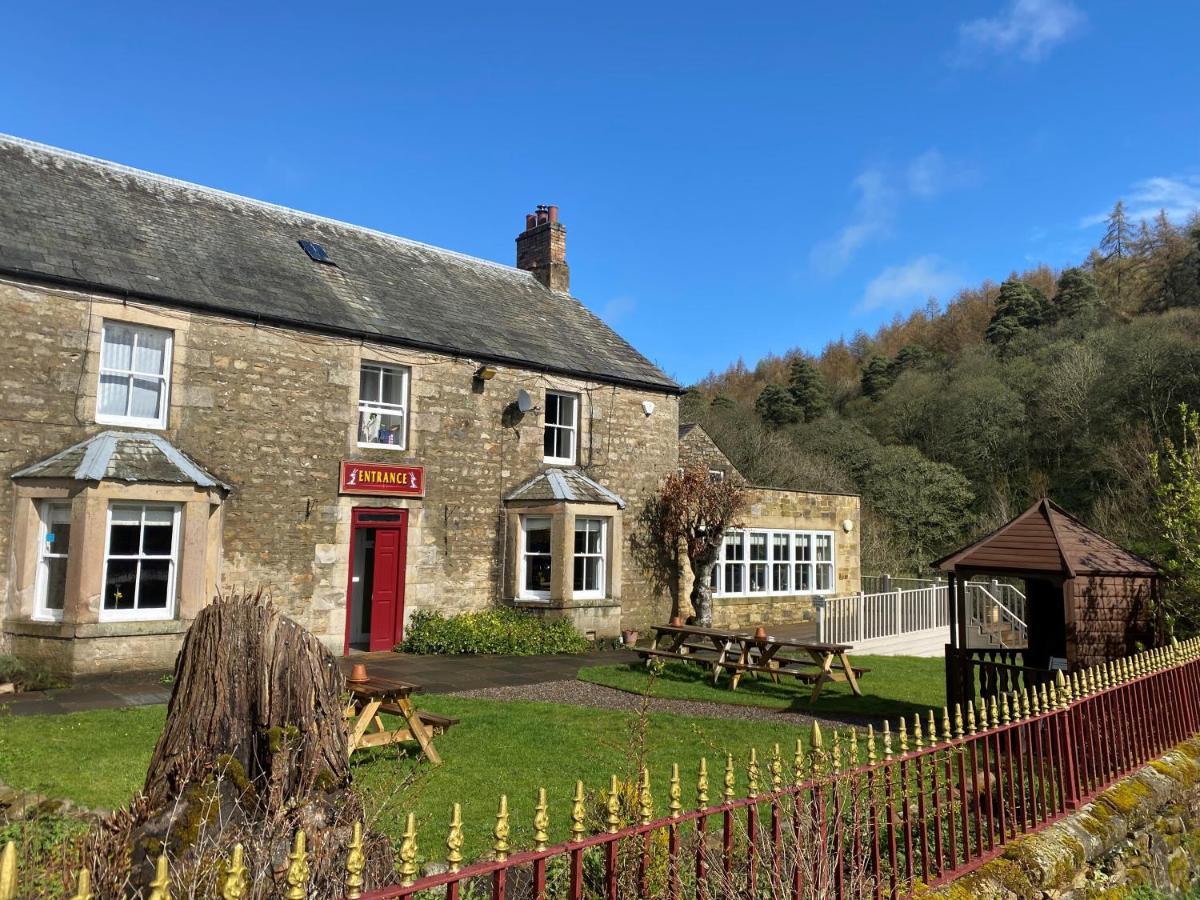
x,y
358,673
760,633
676,621
629,637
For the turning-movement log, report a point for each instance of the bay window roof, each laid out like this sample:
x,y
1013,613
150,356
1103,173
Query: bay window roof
x,y
128,456
568,485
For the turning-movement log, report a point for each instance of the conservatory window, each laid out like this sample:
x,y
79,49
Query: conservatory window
x,y
590,546
140,558
775,561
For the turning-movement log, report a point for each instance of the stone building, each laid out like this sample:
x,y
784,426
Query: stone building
x,y
790,547
204,391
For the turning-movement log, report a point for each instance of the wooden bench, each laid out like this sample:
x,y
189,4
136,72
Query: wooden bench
x,y
437,724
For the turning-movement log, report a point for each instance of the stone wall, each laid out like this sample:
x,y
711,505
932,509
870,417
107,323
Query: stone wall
x,y
272,411
696,448
1143,832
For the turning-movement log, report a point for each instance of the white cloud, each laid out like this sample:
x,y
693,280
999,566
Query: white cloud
x,y
617,309
1178,196
881,191
924,277
931,174
1029,28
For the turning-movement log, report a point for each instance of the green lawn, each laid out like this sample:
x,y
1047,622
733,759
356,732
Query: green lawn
x,y
896,685
100,758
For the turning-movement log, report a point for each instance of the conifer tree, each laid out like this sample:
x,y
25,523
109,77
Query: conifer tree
x,y
1077,294
1118,244
877,377
807,389
776,407
1019,307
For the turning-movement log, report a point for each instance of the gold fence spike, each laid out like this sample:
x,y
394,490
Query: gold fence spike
x,y
887,741
947,734
818,742
297,870
578,814
1026,703
160,887
798,763
702,784
356,862
729,778
752,773
541,821
8,871
871,757
918,736
1005,711
234,885
1044,698
408,848
972,725
454,840
501,831
958,721
645,798
852,753
902,736
83,886
613,820
675,793
992,719
775,767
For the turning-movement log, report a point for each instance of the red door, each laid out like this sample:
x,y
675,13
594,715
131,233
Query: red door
x,y
387,595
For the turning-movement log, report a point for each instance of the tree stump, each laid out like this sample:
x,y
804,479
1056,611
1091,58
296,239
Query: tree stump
x,y
254,747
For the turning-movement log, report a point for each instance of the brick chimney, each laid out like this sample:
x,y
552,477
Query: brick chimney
x,y
542,249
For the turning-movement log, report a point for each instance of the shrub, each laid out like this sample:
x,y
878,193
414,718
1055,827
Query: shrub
x,y
502,630
26,675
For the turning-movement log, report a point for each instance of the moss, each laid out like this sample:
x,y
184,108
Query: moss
x,y
1053,857
281,736
1179,871
1125,796
231,768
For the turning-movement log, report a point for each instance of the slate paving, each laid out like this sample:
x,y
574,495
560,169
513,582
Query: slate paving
x,y
434,675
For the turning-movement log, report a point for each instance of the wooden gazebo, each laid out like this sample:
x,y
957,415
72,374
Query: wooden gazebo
x,y
1088,601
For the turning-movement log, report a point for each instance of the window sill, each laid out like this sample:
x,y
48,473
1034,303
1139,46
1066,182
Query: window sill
x,y
39,628
554,461
152,424
363,446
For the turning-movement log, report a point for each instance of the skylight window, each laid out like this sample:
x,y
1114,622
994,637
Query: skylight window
x,y
316,252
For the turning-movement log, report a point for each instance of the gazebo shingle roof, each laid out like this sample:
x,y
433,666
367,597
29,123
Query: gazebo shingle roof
x,y
1047,540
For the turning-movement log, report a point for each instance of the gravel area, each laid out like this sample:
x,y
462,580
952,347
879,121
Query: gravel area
x,y
582,693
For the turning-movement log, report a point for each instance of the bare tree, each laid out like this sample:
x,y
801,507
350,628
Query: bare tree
x,y
690,514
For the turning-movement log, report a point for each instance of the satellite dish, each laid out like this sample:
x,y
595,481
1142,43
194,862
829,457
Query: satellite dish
x,y
524,401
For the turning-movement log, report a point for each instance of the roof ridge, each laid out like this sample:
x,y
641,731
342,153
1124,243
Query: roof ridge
x,y
51,150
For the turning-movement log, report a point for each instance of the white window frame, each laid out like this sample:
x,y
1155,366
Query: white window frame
x,y
572,428
46,521
164,406
716,475
794,541
524,593
379,407
602,568
136,614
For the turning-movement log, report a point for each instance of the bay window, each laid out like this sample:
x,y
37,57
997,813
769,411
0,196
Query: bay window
x,y
140,557
774,561
54,545
590,563
536,556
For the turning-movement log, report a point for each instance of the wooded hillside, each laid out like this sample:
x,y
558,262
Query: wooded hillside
x,y
953,418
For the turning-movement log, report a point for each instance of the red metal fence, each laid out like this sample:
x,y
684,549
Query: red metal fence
x,y
852,817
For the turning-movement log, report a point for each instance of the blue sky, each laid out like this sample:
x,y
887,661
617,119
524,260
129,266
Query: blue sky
x,y
736,178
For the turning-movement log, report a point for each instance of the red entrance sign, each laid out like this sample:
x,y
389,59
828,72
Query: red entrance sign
x,y
379,478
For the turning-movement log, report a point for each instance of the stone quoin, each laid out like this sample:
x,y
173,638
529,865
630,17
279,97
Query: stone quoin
x,y
190,376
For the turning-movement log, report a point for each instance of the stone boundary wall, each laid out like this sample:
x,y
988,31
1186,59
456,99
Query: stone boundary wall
x,y
1143,832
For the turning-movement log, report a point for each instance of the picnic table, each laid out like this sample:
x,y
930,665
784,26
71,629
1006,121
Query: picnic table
x,y
372,697
739,652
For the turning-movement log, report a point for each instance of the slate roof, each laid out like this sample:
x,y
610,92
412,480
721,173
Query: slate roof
x,y
132,456
570,485
1046,539
83,222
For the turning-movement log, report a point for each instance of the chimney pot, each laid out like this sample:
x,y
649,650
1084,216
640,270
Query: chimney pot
x,y
542,248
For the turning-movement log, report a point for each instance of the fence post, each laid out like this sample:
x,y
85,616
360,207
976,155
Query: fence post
x,y
899,626
819,605
860,625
